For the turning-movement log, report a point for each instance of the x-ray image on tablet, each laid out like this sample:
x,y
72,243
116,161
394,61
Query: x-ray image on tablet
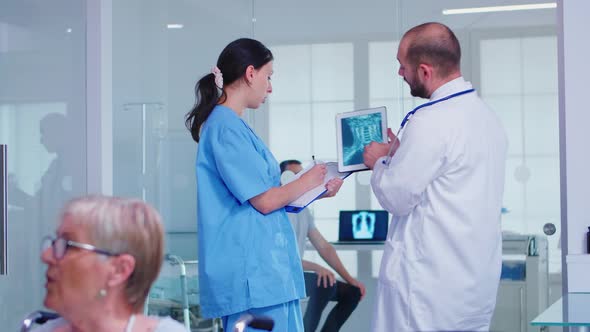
x,y
356,129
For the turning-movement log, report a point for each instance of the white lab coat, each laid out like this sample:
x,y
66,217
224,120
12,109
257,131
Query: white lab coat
x,y
441,263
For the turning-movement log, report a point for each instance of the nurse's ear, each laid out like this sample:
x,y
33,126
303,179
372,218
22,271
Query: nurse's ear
x,y
287,177
249,74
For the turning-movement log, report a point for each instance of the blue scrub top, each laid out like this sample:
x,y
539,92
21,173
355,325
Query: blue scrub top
x,y
246,259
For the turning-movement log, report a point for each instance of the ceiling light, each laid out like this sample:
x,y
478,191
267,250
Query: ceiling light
x,y
499,8
175,26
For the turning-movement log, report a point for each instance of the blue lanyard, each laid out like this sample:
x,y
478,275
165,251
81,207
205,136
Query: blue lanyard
x,y
407,117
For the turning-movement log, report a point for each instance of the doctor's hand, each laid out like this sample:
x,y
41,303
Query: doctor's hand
x,y
332,187
374,150
325,277
315,176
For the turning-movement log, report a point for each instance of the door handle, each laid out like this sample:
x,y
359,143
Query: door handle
x,y
3,212
549,229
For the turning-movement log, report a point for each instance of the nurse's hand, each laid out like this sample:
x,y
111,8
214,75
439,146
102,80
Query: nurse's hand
x,y
332,187
315,176
374,150
325,277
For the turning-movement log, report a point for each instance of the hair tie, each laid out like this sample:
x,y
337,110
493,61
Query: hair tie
x,y
218,77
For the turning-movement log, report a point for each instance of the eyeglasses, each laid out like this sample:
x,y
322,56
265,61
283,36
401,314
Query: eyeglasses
x,y
60,246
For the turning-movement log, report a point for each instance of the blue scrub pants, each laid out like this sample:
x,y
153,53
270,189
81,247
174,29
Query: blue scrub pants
x,y
287,317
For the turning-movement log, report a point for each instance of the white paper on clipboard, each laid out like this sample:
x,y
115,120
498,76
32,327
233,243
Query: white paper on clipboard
x,y
308,197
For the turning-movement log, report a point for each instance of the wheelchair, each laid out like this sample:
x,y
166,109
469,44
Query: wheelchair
x,y
175,294
178,306
263,323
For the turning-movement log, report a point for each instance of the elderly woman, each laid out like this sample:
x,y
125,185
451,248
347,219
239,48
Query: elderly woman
x,y
106,254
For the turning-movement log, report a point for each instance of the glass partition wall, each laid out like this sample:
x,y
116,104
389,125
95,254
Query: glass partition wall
x,y
43,125
330,57
160,50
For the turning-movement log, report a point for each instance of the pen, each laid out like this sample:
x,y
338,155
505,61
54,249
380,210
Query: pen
x,y
313,158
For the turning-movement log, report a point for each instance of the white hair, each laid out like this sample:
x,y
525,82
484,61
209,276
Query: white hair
x,y
124,226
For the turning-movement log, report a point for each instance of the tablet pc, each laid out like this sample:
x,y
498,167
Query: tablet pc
x,y
356,129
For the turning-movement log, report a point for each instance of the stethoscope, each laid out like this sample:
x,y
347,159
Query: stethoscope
x,y
412,112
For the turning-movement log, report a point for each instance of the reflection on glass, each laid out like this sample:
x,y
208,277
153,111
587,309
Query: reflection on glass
x,y
43,123
59,181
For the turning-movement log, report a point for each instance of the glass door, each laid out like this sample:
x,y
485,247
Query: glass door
x,y
160,50
43,126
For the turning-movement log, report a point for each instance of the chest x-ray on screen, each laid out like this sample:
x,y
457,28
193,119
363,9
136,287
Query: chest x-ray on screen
x,y
361,225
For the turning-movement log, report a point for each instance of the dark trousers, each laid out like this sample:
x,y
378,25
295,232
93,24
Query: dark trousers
x,y
346,296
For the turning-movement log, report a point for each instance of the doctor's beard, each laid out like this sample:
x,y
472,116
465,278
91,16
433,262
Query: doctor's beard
x,y
417,89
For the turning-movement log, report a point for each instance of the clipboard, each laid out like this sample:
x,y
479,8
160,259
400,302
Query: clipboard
x,y
310,196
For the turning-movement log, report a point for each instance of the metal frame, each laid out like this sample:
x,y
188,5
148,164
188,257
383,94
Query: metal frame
x,y
3,212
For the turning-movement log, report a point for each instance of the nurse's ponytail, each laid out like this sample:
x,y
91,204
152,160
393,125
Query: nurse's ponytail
x,y
207,96
231,66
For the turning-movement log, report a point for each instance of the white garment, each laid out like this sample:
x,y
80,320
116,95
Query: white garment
x,y
302,223
441,263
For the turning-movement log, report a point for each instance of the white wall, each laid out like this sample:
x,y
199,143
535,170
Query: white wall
x,y
574,117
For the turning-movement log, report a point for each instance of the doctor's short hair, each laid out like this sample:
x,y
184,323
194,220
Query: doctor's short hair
x,y
285,163
123,225
436,44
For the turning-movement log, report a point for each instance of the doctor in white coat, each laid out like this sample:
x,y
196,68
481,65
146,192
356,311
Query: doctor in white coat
x,y
443,182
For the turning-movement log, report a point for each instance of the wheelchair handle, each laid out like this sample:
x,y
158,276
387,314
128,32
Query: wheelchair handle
x,y
37,317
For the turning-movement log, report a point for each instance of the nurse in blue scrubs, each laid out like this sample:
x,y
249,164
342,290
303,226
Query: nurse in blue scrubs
x,y
248,257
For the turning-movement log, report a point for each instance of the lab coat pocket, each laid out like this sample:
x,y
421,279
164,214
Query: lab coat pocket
x,y
394,254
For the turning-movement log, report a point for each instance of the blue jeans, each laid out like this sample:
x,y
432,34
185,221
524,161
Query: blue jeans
x,y
346,296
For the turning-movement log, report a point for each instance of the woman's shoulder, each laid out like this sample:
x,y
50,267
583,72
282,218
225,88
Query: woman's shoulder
x,y
167,324
223,114
222,119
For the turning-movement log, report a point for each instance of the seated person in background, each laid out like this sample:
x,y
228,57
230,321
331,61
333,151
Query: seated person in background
x,y
320,283
105,255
